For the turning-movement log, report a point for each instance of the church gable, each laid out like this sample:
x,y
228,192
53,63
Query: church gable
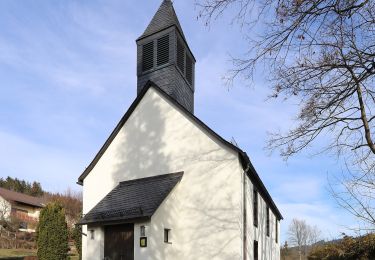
x,y
157,137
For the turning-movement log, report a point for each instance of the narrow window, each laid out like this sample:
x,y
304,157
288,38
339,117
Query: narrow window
x,y
148,56
268,222
255,207
167,234
92,234
277,231
163,50
255,250
189,69
181,56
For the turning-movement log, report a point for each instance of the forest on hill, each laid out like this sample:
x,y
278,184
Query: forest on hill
x,y
30,188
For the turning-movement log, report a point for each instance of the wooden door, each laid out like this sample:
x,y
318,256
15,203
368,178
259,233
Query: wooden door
x,y
119,242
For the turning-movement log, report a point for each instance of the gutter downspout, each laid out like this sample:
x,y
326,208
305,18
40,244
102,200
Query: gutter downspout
x,y
244,239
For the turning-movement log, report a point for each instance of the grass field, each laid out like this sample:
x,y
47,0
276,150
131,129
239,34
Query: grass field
x,y
4,253
7,253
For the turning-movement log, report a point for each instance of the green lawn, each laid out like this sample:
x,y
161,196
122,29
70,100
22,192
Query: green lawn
x,y
16,252
5,253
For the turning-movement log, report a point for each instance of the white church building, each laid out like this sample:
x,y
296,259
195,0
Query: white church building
x,y
164,186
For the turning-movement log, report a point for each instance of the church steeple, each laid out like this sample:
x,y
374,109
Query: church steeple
x,y
164,57
164,18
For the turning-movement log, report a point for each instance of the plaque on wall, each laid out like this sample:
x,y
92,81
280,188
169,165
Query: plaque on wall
x,y
143,242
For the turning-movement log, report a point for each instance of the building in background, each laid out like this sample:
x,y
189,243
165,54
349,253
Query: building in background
x,y
25,209
164,185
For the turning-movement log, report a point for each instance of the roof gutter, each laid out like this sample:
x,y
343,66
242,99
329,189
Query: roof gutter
x,y
254,177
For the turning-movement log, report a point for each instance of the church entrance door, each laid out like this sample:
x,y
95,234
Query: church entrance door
x,y
119,242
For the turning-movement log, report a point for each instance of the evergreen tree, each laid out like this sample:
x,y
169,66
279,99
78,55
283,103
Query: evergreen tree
x,y
36,189
52,233
77,236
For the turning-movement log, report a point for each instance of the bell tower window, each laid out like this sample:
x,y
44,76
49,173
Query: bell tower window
x,y
163,50
148,56
181,56
189,69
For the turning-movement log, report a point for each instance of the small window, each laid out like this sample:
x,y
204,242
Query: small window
x,y
92,234
142,231
23,225
148,56
167,235
189,69
268,222
181,56
277,231
255,250
255,207
163,50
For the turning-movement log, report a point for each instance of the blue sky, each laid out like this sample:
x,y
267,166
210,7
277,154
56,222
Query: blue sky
x,y
68,73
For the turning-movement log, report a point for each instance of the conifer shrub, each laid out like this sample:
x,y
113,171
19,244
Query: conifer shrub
x,y
52,233
77,237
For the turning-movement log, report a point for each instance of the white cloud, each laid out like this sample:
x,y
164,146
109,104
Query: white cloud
x,y
329,219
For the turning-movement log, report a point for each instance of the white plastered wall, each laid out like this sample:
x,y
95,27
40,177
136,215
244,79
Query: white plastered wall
x,y
267,247
204,212
95,244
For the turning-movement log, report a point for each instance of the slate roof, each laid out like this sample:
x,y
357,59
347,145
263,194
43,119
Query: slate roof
x,y
165,17
10,195
134,199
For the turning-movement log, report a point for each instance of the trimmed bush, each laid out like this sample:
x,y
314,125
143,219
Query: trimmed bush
x,y
52,233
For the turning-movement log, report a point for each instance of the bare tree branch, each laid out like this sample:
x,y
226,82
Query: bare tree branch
x,y
322,53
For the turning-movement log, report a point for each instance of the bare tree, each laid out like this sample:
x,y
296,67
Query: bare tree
x,y
298,235
355,192
301,235
314,235
322,54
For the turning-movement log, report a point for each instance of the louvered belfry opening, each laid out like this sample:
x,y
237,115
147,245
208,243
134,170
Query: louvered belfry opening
x,y
163,50
189,69
148,56
164,57
181,56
